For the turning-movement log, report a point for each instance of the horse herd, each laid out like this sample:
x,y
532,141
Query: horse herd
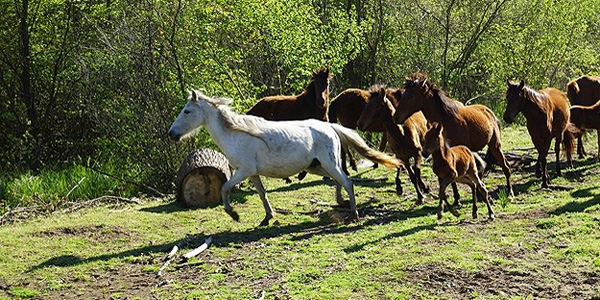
x,y
279,138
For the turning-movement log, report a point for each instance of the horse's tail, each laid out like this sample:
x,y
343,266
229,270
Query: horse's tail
x,y
480,163
332,111
569,136
490,159
350,138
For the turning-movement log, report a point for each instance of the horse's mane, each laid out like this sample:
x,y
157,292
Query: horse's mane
x,y
448,106
230,119
539,99
376,88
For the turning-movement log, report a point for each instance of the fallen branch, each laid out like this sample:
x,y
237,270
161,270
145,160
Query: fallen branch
x,y
89,203
198,250
381,179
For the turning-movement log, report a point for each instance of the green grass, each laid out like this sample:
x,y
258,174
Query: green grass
x,y
71,182
543,244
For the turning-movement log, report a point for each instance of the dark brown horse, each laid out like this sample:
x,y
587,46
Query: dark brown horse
x,y
310,104
586,117
584,90
456,164
474,126
346,109
547,115
405,140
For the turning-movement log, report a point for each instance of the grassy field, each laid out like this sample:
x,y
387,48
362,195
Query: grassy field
x,y
544,244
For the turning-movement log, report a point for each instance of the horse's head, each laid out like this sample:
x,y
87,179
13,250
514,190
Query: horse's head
x,y
415,89
432,139
189,119
321,84
377,107
514,100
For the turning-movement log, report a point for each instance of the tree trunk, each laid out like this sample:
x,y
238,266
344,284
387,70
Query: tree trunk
x,y
200,178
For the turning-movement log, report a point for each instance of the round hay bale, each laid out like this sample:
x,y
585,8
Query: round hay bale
x,y
200,178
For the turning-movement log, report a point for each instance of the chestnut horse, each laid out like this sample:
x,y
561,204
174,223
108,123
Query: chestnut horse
x,y
310,104
456,164
586,117
547,115
346,109
474,126
405,140
584,90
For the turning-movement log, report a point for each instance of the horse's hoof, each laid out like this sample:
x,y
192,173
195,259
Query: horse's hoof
x,y
457,204
233,215
287,180
419,202
492,217
301,175
454,212
399,191
475,216
265,221
343,203
439,215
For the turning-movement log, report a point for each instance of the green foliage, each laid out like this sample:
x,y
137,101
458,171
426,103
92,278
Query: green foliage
x,y
106,78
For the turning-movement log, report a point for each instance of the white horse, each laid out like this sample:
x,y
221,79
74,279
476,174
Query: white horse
x,y
255,146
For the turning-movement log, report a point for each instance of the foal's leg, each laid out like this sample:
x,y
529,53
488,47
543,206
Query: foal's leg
x,y
483,193
399,190
456,195
263,196
415,181
444,182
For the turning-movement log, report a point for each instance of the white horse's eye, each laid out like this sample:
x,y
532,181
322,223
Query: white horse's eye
x,y
186,111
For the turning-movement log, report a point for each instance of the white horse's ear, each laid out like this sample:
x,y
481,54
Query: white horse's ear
x,y
193,95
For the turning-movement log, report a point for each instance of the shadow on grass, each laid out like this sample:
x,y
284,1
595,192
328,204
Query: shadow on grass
x,y
302,231
575,206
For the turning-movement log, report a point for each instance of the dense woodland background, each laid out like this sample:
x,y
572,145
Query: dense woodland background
x,y
95,85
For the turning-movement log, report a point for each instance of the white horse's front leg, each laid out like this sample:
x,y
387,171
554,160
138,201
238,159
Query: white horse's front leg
x,y
236,178
263,196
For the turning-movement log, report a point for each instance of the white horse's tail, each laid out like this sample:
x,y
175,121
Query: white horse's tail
x,y
349,137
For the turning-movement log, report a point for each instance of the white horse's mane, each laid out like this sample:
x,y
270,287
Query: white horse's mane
x,y
230,119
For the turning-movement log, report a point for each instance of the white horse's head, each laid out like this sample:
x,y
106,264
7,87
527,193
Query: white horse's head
x,y
189,119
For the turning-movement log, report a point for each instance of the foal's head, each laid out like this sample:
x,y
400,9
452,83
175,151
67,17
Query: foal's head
x,y
416,88
378,107
515,96
433,139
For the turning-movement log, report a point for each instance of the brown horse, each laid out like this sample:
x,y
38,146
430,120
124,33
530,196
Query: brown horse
x,y
584,90
547,115
310,104
346,109
474,126
456,164
586,117
405,140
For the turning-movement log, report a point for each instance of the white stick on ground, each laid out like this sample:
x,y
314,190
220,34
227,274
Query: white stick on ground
x,y
199,249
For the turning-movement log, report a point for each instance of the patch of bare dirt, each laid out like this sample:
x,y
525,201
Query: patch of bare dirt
x,y
546,284
96,232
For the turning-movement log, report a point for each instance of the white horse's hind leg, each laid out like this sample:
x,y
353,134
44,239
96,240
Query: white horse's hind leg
x,y
337,174
236,178
263,196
